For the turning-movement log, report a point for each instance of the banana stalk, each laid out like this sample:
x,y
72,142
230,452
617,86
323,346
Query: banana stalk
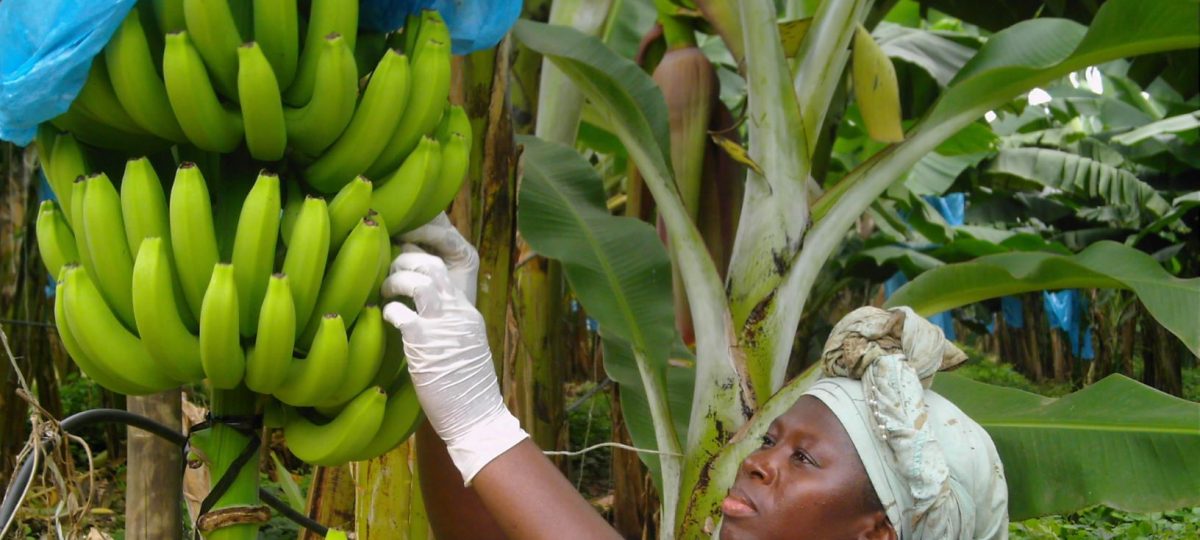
x,y
237,515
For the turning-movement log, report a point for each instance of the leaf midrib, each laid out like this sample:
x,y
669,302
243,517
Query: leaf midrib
x,y
1029,425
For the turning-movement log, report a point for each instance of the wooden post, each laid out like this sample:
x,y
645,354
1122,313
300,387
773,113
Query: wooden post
x,y
154,478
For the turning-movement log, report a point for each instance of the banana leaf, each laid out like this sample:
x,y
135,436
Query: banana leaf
x,y
1174,124
620,273
1079,175
1116,442
941,58
1172,301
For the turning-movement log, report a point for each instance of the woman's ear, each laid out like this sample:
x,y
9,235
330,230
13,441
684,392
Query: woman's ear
x,y
878,529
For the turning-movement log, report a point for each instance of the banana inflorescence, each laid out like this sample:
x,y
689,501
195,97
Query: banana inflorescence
x,y
266,164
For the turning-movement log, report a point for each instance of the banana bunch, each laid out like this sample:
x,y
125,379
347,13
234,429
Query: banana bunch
x,y
228,77
148,300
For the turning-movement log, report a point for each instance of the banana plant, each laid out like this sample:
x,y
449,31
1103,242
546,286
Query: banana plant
x,y
745,325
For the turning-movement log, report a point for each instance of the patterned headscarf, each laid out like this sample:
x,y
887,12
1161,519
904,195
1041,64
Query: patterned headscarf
x,y
935,470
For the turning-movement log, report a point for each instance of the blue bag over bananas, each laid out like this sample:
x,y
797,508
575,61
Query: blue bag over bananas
x,y
226,192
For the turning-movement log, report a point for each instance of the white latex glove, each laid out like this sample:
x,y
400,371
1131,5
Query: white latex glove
x,y
446,344
443,239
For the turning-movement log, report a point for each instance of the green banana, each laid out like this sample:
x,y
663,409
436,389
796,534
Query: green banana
x,y
105,243
75,214
92,369
305,261
367,343
351,277
277,30
56,242
397,197
220,348
335,442
326,17
312,379
394,363
66,164
143,204
382,105
425,106
369,49
98,101
348,208
385,262
275,414
262,110
267,362
293,199
205,121
314,126
254,248
135,80
87,128
43,141
412,28
105,341
456,159
401,416
210,23
229,189
193,239
169,14
164,333
454,120
144,207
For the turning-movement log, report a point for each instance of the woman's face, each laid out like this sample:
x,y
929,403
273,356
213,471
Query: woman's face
x,y
805,481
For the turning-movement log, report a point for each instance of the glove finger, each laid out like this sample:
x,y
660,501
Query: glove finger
x,y
443,240
417,286
399,316
411,248
433,233
426,264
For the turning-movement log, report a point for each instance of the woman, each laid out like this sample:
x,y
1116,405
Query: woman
x,y
867,452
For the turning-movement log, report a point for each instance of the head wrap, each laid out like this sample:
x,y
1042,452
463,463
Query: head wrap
x,y
935,470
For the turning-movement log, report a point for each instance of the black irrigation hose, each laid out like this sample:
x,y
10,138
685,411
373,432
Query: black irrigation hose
x,y
24,474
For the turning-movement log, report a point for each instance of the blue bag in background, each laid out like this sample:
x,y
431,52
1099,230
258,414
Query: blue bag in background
x,y
1065,310
474,24
48,48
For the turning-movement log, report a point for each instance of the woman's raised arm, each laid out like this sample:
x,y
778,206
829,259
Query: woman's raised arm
x,y
446,345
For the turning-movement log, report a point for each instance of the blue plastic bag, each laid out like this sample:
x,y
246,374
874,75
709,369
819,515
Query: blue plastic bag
x,y
1014,315
474,24
1065,311
944,320
48,46
952,207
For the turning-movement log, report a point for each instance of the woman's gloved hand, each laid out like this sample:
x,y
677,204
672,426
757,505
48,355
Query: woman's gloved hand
x,y
446,344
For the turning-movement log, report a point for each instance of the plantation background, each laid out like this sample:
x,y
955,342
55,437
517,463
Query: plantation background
x,y
1026,178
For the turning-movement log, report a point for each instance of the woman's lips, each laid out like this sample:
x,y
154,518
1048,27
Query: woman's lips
x,y
737,505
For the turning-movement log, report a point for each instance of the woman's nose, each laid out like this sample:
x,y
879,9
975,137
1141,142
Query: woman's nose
x,y
759,467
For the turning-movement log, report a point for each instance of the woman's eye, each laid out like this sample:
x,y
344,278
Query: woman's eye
x,y
801,457
767,441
